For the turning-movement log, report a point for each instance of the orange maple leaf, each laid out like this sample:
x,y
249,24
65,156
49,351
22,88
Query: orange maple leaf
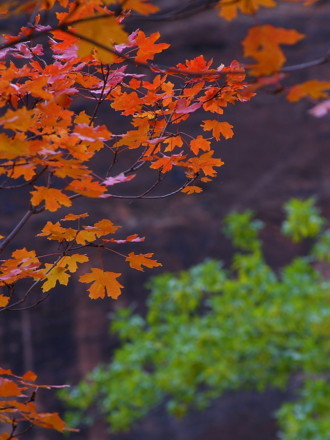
x,y
205,163
127,103
12,148
72,217
218,128
54,198
198,64
314,89
166,163
54,231
140,6
87,187
229,10
147,47
9,388
172,142
50,421
199,143
103,283
4,300
136,261
30,376
191,189
263,44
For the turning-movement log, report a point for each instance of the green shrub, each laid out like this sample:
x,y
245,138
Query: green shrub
x,y
209,330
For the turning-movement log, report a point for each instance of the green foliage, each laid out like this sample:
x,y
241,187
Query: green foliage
x,y
209,330
303,219
308,418
243,230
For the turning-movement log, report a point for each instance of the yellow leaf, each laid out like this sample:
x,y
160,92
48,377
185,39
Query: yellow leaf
x,y
69,262
54,231
137,261
103,283
106,31
57,274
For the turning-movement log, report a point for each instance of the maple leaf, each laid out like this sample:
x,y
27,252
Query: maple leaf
x,y
54,231
4,300
205,163
103,283
91,134
229,10
13,148
9,388
128,103
50,421
55,275
198,64
263,44
147,47
182,106
87,187
166,163
72,217
141,6
106,31
120,178
136,261
314,89
218,128
199,143
172,142
192,189
130,238
70,261
54,198
30,376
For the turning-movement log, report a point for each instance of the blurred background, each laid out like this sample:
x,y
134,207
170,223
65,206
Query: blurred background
x,y
279,151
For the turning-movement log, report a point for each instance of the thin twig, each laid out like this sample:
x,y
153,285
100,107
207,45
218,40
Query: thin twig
x,y
16,229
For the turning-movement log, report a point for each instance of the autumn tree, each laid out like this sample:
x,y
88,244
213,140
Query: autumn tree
x,y
73,54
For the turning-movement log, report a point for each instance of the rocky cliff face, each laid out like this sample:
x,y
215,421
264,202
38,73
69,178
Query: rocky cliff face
x,y
279,151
